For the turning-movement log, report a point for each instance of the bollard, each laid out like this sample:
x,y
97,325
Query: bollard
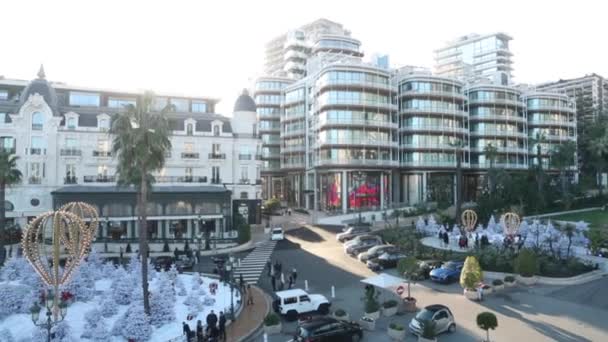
x,y
239,262
333,291
306,285
265,337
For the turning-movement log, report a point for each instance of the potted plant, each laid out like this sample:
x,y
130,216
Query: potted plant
x,y
396,331
526,266
509,281
367,323
341,315
498,285
470,277
389,308
370,301
428,333
486,321
272,324
487,289
409,267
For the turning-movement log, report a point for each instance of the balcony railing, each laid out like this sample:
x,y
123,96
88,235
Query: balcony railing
x,y
70,152
243,181
35,180
180,179
216,181
244,156
97,153
70,180
38,151
36,127
217,156
9,150
190,155
99,179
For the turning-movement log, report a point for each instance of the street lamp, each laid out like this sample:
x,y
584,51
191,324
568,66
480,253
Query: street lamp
x,y
230,268
50,321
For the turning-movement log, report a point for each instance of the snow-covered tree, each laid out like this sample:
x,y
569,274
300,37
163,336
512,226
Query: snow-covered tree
x,y
173,273
181,289
196,284
95,265
194,303
6,336
82,284
137,324
134,266
122,287
15,299
161,308
492,225
15,269
108,305
108,269
119,325
100,332
92,318
61,332
420,225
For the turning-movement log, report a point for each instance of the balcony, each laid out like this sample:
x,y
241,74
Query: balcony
x,y
357,122
244,156
37,151
356,162
35,180
217,156
496,102
180,179
293,133
243,181
357,142
438,129
360,84
70,152
104,154
70,180
99,179
190,155
292,149
9,150
551,123
216,181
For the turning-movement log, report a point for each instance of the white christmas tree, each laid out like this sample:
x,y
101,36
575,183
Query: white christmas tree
x,y
62,332
18,269
122,287
15,299
92,318
108,305
134,267
161,308
420,225
194,303
173,273
108,269
492,225
100,332
6,336
82,284
137,324
95,264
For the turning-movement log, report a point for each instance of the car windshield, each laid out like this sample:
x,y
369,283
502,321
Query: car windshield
x,y
425,315
449,266
277,231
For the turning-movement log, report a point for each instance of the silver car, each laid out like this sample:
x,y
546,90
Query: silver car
x,y
437,313
376,251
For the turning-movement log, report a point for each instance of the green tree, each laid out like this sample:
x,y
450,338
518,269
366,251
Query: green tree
x,y
486,321
140,143
563,158
595,150
409,268
471,274
491,154
9,175
526,263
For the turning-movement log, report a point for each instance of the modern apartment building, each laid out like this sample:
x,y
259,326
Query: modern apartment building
x,y
60,134
476,56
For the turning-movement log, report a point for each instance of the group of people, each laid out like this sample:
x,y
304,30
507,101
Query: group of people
x,y
215,330
277,277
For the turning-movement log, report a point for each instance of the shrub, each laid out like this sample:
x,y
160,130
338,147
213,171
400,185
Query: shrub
x,y
471,273
128,249
396,326
166,247
370,300
526,263
429,329
390,304
271,319
486,321
509,279
340,313
497,282
272,205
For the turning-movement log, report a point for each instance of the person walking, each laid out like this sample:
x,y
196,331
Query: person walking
x,y
211,320
222,326
274,283
446,239
186,330
290,282
269,266
199,331
241,282
294,274
282,284
250,295
479,292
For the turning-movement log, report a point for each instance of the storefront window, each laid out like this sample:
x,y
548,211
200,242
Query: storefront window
x,y
363,189
331,191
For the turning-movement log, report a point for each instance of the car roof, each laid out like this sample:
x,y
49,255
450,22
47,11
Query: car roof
x,y
277,228
291,293
375,248
318,321
437,307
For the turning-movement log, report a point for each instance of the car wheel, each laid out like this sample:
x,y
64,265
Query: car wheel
x,y
291,315
323,309
355,338
452,328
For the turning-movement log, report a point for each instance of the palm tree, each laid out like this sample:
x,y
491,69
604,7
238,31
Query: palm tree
x,y
562,158
491,153
538,140
9,175
458,145
594,148
141,140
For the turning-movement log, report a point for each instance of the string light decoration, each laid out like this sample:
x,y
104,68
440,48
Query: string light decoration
x,y
510,223
87,213
61,230
469,219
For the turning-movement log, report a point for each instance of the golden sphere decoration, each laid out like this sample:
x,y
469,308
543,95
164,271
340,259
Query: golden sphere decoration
x,y
87,213
469,219
510,223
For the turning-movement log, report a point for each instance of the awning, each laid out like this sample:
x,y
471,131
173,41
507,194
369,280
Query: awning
x,y
384,281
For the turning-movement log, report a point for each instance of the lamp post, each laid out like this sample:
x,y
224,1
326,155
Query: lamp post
x,y
50,322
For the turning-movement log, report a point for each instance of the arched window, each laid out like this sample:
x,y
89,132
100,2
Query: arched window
x,y
37,121
104,124
216,130
189,129
71,123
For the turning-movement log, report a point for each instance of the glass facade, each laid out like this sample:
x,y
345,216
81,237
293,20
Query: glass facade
x,y
117,102
350,77
84,99
199,107
330,191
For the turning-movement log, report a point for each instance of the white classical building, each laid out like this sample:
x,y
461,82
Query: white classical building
x,y
60,134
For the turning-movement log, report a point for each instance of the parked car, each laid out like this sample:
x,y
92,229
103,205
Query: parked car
x,y
364,247
359,240
277,234
384,261
352,232
425,267
448,272
184,262
376,251
293,302
162,263
440,314
328,329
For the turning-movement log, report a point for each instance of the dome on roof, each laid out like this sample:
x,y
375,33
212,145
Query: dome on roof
x,y
42,87
244,103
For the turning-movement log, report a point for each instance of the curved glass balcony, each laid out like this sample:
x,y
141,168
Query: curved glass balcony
x,y
356,122
355,162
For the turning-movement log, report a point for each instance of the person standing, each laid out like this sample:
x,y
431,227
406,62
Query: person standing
x,y
250,295
294,274
446,239
479,292
222,326
241,282
269,266
186,330
290,282
121,254
211,320
282,284
274,283
199,331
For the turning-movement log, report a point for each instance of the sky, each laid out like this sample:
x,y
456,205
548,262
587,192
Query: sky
x,y
216,48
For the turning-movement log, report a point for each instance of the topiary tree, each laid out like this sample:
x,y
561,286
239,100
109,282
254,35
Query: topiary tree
x,y
486,321
409,268
108,306
471,274
92,319
526,263
370,299
137,324
161,308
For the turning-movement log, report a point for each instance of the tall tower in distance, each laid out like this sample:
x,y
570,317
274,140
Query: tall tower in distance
x,y
476,56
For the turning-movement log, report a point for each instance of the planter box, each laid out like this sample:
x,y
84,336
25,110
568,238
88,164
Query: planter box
x,y
470,294
528,281
367,323
388,312
343,318
374,315
498,287
508,284
422,339
409,305
396,335
272,329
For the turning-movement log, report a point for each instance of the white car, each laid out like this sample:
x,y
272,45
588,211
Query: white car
x,y
277,234
293,302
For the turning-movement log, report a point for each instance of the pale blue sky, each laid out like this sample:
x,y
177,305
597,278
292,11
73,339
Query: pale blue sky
x,y
214,48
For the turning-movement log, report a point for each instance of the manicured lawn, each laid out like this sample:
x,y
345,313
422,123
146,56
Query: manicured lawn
x,y
596,218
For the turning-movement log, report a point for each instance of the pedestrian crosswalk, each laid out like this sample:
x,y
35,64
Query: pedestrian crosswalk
x,y
254,263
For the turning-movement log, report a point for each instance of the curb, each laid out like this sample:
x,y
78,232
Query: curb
x,y
576,280
256,332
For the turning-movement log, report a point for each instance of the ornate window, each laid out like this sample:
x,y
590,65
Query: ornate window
x,y
37,121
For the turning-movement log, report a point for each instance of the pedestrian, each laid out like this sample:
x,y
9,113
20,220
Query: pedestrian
x,y
211,320
269,266
479,292
274,283
199,331
241,282
281,268
446,239
214,334
222,326
290,282
294,274
175,253
282,284
121,253
249,295
276,267
186,330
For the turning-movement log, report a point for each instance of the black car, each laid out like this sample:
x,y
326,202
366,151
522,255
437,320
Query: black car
x,y
162,263
384,261
328,329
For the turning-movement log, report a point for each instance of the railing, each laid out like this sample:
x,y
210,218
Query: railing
x,y
431,110
102,153
243,181
8,150
497,102
355,102
99,179
216,181
288,149
38,151
424,93
291,133
497,118
357,142
217,155
244,156
432,164
353,161
35,180
445,129
70,152
180,179
190,155
357,122
499,133
552,123
359,83
70,180
36,127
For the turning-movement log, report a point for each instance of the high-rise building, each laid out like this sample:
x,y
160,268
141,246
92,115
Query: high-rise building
x,y
476,56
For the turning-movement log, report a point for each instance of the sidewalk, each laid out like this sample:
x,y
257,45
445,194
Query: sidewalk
x,y
250,318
